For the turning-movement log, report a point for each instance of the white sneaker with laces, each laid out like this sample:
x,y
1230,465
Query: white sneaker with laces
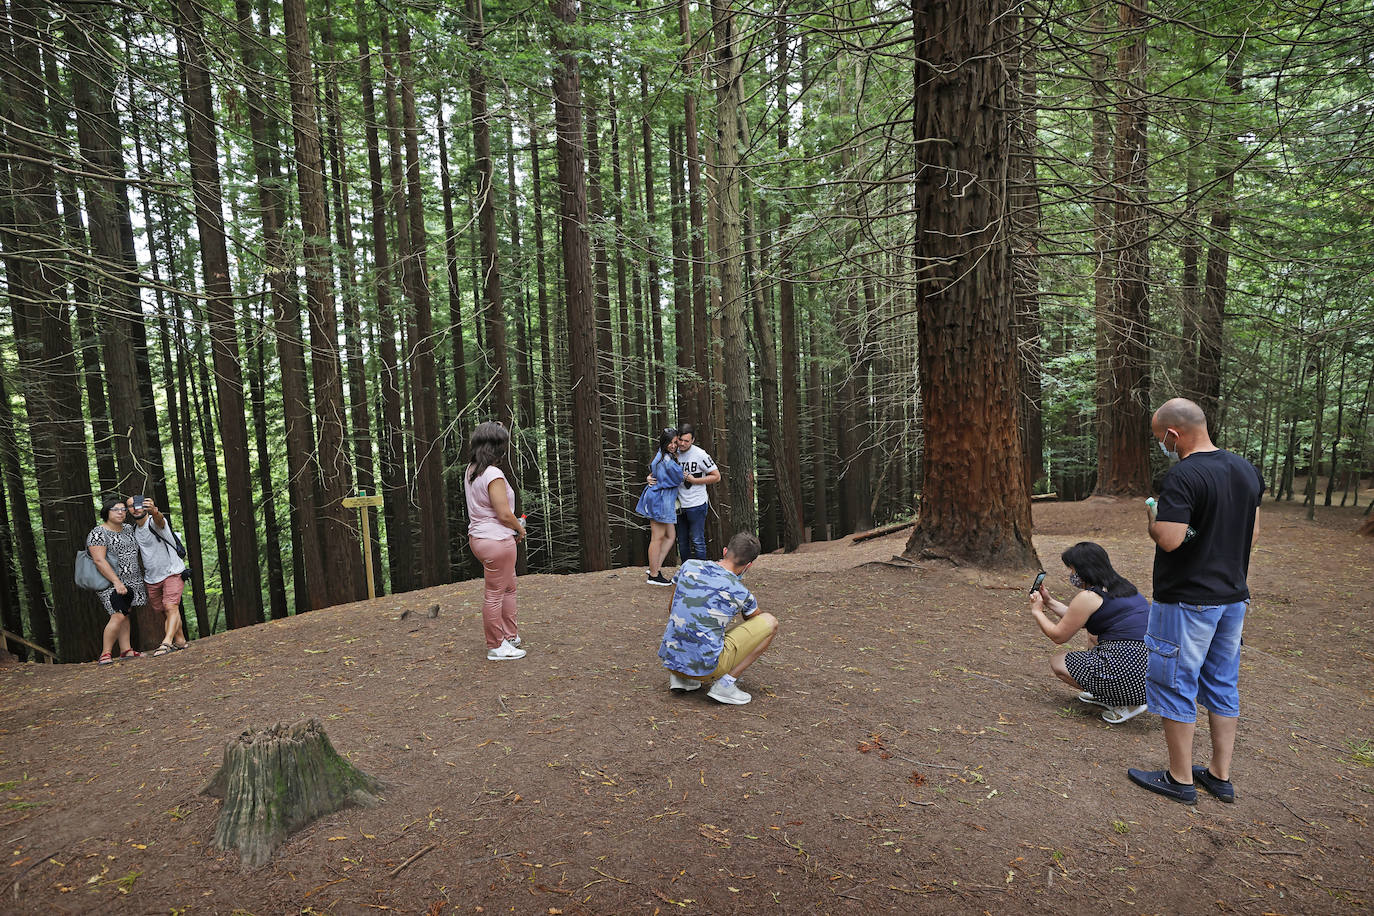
x,y
504,652
676,682
516,641
732,694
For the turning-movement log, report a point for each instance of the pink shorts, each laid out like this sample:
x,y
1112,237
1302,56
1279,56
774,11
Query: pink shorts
x,y
168,591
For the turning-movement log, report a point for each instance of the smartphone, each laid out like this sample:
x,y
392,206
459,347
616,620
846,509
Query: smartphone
x,y
1039,581
138,502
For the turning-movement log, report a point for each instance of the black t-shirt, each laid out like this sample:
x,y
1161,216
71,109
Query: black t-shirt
x,y
1217,494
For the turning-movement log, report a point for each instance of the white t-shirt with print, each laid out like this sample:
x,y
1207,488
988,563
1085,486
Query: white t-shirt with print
x,y
695,463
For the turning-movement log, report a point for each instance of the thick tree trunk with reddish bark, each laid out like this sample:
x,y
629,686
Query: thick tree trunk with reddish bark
x,y
42,331
975,505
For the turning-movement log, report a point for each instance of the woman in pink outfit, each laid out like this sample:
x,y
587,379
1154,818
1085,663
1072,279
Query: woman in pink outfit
x,y
493,533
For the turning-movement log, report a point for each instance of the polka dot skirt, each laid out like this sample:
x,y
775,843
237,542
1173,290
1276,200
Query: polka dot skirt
x,y
1113,672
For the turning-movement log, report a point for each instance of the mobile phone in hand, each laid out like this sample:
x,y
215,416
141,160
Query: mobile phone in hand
x,y
1039,581
138,502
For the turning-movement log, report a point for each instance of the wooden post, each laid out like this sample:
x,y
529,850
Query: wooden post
x,y
362,502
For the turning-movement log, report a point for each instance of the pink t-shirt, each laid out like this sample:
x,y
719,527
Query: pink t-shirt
x,y
482,522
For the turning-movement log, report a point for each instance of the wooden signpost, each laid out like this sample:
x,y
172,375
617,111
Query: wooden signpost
x,y
362,502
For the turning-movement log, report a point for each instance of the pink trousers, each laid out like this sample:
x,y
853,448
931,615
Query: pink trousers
x,y
498,605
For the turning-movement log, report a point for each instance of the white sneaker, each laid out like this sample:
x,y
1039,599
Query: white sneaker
x,y
676,682
515,641
732,694
504,652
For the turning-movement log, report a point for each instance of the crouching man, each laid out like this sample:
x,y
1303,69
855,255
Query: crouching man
x,y
696,644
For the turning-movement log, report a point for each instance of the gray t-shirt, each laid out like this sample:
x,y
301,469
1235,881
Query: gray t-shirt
x,y
156,548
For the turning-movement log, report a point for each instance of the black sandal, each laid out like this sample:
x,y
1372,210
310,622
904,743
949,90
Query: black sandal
x,y
164,649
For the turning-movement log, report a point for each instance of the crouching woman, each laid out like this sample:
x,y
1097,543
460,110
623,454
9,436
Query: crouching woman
x,y
1111,674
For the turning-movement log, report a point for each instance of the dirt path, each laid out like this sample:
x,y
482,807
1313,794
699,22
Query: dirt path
x,y
907,749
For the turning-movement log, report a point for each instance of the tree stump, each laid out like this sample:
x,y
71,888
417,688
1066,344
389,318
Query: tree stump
x,y
276,780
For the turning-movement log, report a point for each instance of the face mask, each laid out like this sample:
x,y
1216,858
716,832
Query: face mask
x,y
1077,581
1170,453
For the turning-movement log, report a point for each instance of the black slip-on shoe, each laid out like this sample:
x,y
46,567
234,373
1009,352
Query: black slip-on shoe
x,y
1221,788
1161,783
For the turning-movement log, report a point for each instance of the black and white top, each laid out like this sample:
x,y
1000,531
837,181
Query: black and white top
x,y
122,551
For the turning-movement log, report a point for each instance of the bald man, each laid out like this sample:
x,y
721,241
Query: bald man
x,y
1203,527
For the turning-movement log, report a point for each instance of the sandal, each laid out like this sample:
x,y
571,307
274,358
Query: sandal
x,y
1087,697
164,649
1115,715
130,653
105,659
185,645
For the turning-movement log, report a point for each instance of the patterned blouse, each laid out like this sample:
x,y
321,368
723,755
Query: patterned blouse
x,y
122,551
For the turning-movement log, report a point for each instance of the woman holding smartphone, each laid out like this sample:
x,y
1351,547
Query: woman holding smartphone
x,y
114,551
1111,673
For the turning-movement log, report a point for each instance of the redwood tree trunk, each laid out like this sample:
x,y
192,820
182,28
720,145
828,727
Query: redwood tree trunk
x,y
343,569
975,505
246,607
730,260
1124,426
391,454
594,534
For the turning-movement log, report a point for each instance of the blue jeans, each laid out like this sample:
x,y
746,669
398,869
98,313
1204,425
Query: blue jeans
x,y
1194,658
691,532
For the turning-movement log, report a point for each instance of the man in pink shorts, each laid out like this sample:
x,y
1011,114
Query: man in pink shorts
x,y
161,551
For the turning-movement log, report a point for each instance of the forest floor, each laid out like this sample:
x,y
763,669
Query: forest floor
x,y
907,749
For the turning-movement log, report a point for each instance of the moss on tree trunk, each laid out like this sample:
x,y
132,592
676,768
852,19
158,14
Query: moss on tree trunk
x,y
275,781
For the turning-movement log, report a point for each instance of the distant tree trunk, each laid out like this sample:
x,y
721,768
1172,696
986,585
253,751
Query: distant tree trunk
x,y
1123,428
257,386
1104,255
1336,436
818,397
458,365
88,338
391,454
1210,327
246,608
115,281
552,453
343,580
1024,191
43,339
730,259
360,411
765,355
302,471
35,606
593,532
629,369
429,456
605,345
502,404
788,445
1314,463
975,504
701,410
685,371
656,291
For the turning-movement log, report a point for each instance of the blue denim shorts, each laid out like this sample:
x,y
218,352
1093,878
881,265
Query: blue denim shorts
x,y
1194,658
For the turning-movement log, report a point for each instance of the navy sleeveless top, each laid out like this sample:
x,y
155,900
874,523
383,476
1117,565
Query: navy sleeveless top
x,y
1119,618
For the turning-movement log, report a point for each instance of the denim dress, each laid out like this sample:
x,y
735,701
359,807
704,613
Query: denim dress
x,y
658,502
